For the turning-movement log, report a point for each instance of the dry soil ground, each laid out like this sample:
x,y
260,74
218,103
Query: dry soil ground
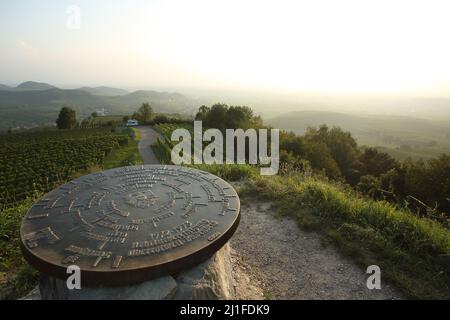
x,y
284,262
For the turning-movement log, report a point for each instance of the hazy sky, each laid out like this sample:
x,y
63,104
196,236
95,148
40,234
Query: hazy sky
x,y
340,46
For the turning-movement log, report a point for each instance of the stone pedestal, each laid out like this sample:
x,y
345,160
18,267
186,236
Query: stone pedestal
x,y
212,279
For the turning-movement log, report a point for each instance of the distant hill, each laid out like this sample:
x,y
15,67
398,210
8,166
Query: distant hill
x,y
105,91
405,135
28,86
28,106
32,85
3,87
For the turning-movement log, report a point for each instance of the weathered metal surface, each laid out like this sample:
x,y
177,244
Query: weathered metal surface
x,y
130,224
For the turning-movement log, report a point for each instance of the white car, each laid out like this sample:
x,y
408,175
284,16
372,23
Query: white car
x,y
131,123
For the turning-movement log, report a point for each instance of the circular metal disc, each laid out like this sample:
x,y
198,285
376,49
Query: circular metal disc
x,y
130,224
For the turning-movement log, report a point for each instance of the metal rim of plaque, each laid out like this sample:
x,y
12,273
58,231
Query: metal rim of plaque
x,y
127,225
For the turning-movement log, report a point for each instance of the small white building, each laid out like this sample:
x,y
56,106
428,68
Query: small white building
x,y
131,123
101,112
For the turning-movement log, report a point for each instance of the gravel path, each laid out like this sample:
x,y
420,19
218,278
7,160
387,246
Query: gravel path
x,y
289,263
148,137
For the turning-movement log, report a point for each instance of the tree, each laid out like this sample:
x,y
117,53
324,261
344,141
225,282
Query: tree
x,y
144,114
429,181
161,119
86,122
222,117
240,117
369,185
125,118
202,113
318,154
67,118
375,163
292,143
216,118
342,147
393,181
94,114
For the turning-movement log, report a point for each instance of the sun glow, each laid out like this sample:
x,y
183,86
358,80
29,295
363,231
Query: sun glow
x,y
339,46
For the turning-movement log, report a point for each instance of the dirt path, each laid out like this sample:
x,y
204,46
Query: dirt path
x,y
288,263
148,137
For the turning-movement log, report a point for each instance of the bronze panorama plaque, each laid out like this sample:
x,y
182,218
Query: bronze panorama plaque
x,y
130,224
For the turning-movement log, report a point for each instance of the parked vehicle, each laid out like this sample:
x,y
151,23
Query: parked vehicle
x,y
131,123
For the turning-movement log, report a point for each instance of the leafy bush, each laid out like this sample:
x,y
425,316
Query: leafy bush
x,y
20,276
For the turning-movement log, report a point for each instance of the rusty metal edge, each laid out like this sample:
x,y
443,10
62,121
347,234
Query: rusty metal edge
x,y
137,275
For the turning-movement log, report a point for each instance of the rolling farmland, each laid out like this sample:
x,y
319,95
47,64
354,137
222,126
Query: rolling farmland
x,y
37,161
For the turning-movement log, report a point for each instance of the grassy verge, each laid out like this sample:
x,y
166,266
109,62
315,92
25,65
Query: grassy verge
x,y
125,155
161,151
226,171
17,277
413,253
232,172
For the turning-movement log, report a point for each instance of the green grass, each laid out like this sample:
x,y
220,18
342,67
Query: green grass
x,y
19,277
163,147
102,120
413,253
166,128
232,172
125,155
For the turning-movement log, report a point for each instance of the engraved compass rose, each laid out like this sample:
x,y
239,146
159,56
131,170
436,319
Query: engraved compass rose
x,y
141,199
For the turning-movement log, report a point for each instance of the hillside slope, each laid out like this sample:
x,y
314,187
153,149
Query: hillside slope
x,y
40,107
400,136
104,91
33,85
